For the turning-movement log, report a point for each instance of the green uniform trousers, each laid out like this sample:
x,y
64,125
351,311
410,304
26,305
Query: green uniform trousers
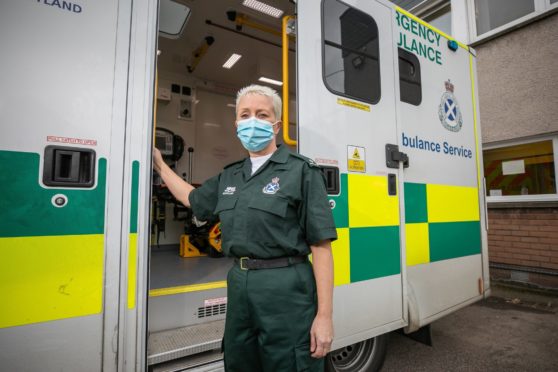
x,y
270,313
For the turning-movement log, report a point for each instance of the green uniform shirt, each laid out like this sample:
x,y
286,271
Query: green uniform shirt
x,y
279,211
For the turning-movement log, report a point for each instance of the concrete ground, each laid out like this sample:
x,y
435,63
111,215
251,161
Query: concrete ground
x,y
514,330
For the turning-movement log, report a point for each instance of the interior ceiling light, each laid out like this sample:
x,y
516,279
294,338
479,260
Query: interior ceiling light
x,y
270,81
232,60
263,8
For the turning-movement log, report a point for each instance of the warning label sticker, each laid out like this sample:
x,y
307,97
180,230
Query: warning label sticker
x,y
215,301
356,159
353,104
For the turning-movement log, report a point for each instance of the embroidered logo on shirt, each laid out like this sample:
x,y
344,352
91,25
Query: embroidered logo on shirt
x,y
272,187
229,190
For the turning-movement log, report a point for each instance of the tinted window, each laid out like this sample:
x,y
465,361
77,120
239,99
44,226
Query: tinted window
x,y
410,88
351,52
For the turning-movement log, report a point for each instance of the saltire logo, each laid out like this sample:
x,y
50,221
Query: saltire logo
x,y
449,111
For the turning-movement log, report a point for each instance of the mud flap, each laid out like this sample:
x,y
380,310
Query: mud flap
x,y
422,335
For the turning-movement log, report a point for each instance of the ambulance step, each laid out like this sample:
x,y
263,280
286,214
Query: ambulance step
x,y
210,361
181,342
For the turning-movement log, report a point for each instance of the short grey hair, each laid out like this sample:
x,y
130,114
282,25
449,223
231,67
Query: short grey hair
x,y
263,91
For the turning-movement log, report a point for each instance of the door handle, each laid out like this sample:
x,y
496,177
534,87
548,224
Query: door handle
x,y
392,184
69,167
394,156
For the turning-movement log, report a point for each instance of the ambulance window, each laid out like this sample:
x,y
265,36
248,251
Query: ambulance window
x,y
410,88
351,65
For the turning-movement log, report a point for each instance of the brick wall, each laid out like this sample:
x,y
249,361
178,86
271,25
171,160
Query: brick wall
x,y
524,237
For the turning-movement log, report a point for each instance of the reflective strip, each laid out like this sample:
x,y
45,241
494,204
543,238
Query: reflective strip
x,y
369,202
341,257
186,288
452,203
27,208
375,252
454,239
133,239
417,243
132,269
403,11
479,178
46,278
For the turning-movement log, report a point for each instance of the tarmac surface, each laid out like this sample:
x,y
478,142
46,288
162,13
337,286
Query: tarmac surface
x,y
514,330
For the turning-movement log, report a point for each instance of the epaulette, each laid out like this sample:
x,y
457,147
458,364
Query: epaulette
x,y
309,161
234,163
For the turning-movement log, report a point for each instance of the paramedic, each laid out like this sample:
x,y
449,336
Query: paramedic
x,y
274,211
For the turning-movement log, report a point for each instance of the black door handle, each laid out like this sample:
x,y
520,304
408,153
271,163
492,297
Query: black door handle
x,y
69,167
394,156
392,184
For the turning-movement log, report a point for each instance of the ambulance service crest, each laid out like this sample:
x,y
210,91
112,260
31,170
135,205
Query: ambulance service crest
x,y
272,187
449,111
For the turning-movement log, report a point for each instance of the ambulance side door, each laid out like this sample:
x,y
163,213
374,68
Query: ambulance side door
x,y
346,115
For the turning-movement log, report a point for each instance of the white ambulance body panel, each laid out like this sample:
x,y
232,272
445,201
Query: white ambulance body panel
x,y
68,258
79,277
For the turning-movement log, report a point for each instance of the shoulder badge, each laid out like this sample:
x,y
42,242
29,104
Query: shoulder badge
x,y
309,161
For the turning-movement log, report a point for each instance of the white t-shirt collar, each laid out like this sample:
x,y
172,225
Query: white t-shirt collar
x,y
258,161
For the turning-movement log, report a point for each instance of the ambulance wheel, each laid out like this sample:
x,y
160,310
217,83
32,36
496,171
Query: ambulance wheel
x,y
365,356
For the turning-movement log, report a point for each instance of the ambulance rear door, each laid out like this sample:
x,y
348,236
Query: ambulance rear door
x,y
346,116
443,189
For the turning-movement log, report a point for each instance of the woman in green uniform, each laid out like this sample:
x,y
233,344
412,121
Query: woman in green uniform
x,y
274,211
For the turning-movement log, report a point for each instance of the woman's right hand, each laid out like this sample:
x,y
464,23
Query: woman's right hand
x,y
157,160
179,188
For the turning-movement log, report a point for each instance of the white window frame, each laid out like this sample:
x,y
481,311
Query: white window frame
x,y
542,8
525,198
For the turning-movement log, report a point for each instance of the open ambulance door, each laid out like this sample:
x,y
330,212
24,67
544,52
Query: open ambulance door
x,y
346,116
76,86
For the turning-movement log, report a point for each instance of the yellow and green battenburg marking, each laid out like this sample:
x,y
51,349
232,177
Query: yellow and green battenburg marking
x,y
367,221
51,259
133,239
442,222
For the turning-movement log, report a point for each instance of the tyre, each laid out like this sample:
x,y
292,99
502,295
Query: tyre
x,y
364,356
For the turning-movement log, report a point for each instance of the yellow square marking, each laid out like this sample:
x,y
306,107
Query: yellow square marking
x,y
369,202
46,278
452,203
417,243
342,257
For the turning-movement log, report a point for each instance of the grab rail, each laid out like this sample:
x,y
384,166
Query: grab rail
x,y
285,47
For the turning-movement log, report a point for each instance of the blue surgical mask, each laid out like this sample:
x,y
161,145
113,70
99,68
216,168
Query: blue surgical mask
x,y
255,134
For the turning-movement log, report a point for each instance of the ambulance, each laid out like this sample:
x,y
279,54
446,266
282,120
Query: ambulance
x,y
101,270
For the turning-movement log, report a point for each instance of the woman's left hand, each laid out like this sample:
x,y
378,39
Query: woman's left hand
x,y
321,336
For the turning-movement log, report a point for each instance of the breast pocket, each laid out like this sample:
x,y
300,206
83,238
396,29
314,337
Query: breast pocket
x,y
267,218
225,208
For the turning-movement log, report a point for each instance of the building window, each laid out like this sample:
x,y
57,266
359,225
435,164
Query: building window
x,y
491,14
351,52
520,171
441,19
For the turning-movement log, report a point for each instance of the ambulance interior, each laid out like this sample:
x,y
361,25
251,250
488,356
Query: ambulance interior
x,y
194,128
